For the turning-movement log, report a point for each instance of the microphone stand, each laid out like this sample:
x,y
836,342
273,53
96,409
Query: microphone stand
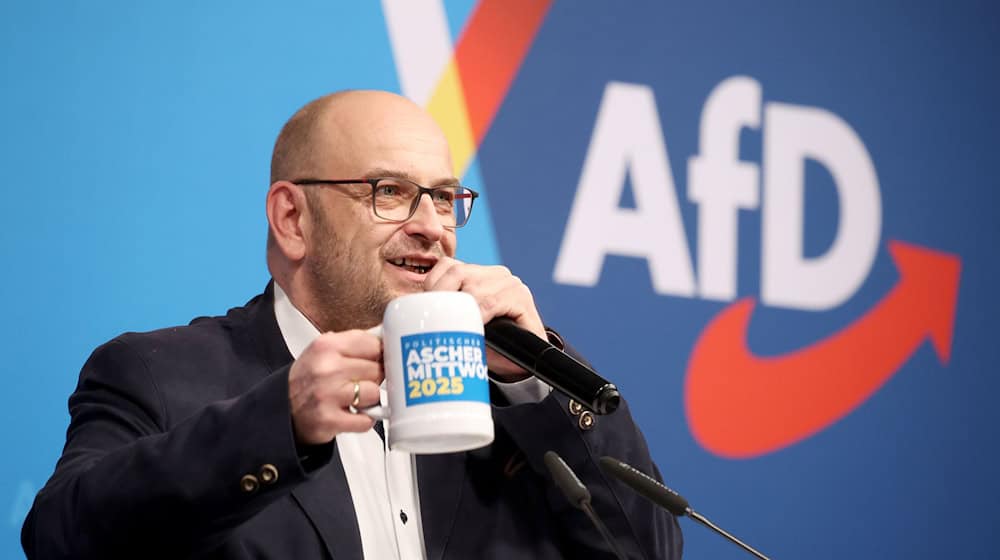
x,y
704,521
654,491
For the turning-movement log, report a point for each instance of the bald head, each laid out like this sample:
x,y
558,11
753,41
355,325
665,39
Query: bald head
x,y
329,130
294,148
327,248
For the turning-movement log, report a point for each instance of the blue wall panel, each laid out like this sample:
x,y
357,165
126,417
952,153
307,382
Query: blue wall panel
x,y
135,146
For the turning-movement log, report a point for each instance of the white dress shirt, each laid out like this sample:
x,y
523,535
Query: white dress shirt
x,y
382,482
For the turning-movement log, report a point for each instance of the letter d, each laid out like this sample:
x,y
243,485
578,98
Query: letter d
x,y
791,135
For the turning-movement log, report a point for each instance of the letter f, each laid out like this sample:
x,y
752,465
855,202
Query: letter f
x,y
721,184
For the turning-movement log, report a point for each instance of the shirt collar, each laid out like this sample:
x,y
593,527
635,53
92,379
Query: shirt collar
x,y
295,328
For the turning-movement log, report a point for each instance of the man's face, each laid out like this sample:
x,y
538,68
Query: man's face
x,y
356,262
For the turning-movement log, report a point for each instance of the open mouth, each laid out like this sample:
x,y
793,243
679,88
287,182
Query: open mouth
x,y
419,266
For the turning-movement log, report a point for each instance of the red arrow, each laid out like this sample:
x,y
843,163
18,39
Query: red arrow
x,y
740,405
490,52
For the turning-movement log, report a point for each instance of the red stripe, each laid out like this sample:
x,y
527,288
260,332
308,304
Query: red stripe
x,y
490,52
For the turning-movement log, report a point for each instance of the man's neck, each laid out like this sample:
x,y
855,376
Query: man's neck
x,y
327,316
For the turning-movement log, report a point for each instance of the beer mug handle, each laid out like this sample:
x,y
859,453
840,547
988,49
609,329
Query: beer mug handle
x,y
376,412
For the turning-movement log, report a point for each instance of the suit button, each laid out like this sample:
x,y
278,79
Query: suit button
x,y
249,483
575,408
586,420
268,474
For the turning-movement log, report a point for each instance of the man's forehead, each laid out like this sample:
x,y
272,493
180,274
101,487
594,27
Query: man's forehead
x,y
413,151
403,173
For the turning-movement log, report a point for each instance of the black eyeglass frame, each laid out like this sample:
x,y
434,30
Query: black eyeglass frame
x,y
373,183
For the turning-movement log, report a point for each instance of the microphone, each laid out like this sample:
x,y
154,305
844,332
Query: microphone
x,y
578,495
552,365
651,489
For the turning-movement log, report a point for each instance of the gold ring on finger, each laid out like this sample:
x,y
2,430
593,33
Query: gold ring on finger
x,y
357,398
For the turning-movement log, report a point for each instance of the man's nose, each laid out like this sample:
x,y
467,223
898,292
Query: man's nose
x,y
425,220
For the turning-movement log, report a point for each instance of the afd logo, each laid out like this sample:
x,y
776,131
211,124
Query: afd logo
x,y
738,404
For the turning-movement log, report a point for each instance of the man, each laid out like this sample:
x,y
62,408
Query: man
x,y
236,437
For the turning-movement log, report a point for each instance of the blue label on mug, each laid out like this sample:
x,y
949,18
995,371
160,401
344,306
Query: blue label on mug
x,y
445,366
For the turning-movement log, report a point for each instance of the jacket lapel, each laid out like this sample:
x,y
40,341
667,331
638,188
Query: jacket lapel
x,y
264,332
327,502
440,479
325,497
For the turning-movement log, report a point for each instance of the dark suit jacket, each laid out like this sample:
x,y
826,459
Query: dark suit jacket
x,y
164,425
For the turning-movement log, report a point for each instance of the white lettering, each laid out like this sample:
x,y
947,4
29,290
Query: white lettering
x,y
627,138
465,369
792,134
441,354
720,184
412,357
415,371
427,354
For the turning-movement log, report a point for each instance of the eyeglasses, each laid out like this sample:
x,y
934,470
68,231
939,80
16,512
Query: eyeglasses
x,y
396,200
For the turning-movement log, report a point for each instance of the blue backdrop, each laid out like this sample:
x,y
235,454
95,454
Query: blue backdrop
x,y
136,143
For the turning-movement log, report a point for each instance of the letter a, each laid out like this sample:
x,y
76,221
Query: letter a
x,y
626,138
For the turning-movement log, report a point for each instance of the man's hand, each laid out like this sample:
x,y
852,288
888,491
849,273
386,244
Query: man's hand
x,y
321,385
498,293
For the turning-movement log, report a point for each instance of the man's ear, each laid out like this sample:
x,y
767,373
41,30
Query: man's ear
x,y
287,214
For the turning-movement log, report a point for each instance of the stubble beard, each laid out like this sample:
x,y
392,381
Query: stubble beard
x,y
346,295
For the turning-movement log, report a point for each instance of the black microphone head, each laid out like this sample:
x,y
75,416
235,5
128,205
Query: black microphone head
x,y
566,480
645,485
607,399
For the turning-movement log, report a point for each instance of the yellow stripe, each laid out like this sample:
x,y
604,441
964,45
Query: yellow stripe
x,y
447,106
